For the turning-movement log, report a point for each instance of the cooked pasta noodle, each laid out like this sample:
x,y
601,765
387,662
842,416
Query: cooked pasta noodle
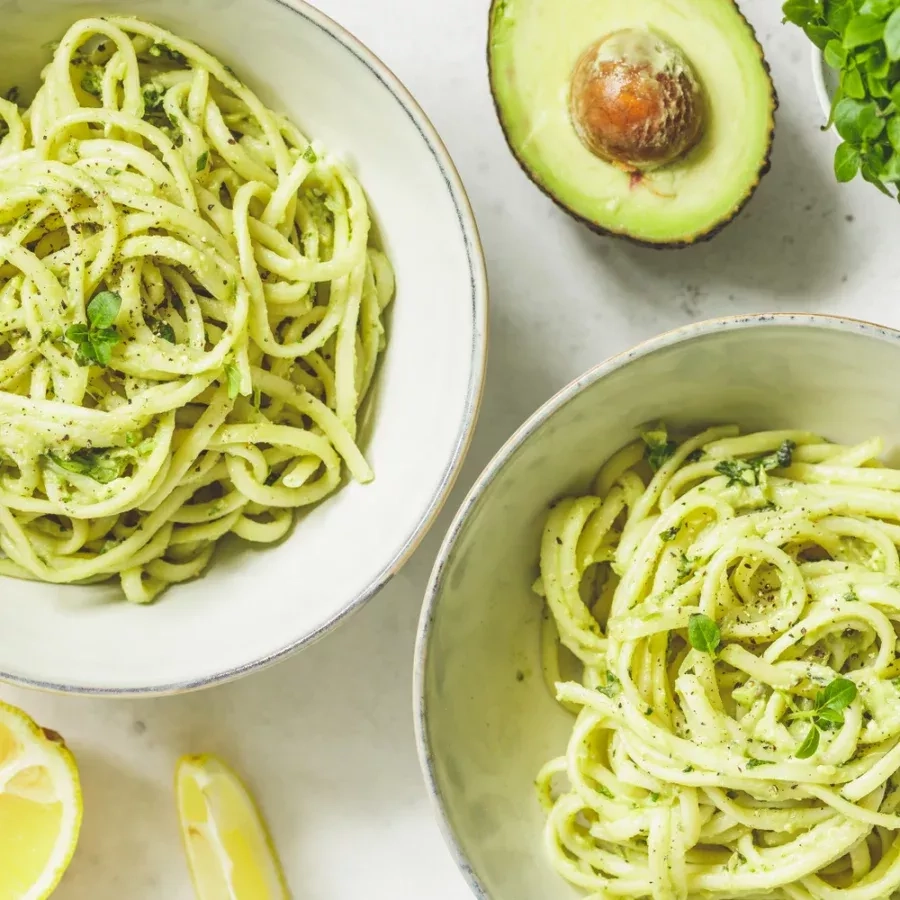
x,y
190,314
734,602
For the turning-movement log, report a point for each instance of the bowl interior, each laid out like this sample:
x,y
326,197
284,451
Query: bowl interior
x,y
253,605
487,720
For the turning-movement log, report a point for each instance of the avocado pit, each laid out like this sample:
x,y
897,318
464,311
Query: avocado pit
x,y
635,100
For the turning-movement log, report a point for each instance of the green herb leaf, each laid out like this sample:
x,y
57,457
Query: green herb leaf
x,y
893,131
233,378
891,171
654,796
756,763
100,465
685,567
863,30
851,596
102,345
310,155
835,54
90,82
838,695
704,634
658,446
153,98
846,162
830,716
161,329
847,118
103,309
202,160
670,533
802,12
95,341
606,792
810,744
878,8
737,471
892,36
613,686
852,84
838,13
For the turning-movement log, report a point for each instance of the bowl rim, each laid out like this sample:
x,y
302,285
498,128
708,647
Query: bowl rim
x,y
819,67
525,431
479,300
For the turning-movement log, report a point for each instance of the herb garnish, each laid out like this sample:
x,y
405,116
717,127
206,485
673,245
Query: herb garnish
x,y
95,340
101,465
861,40
659,448
202,160
670,533
810,744
164,51
153,98
749,472
754,763
704,634
161,329
90,82
827,711
310,155
612,687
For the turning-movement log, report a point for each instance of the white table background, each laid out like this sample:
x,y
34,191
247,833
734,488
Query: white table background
x,y
326,739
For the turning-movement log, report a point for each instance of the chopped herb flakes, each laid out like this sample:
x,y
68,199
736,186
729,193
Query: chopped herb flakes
x,y
658,446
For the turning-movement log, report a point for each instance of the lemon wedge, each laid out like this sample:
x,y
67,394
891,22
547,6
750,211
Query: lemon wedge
x,y
229,851
40,807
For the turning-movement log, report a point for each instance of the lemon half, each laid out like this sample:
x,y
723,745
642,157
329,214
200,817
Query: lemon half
x,y
40,807
230,853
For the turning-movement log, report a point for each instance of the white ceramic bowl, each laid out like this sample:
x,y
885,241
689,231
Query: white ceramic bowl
x,y
254,607
486,721
825,79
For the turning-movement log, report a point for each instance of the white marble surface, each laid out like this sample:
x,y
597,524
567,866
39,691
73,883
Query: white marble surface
x,y
326,739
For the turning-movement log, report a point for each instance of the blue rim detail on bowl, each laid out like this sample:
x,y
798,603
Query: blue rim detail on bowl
x,y
490,472
479,300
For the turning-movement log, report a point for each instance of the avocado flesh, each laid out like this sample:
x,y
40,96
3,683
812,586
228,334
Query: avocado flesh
x,y
534,46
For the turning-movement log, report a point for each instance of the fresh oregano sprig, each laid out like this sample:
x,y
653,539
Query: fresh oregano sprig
x,y
861,40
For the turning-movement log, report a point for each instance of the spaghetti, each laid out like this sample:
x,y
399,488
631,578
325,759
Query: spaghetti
x,y
190,314
733,602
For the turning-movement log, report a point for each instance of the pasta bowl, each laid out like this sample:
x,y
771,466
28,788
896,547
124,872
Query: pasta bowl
x,y
487,723
253,604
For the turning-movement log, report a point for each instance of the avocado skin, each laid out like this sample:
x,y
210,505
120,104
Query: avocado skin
x,y
700,238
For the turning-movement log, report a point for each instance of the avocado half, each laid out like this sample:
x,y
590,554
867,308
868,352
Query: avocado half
x,y
535,47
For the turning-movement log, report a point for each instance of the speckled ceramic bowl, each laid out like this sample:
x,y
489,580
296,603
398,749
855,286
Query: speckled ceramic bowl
x,y
255,606
486,722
